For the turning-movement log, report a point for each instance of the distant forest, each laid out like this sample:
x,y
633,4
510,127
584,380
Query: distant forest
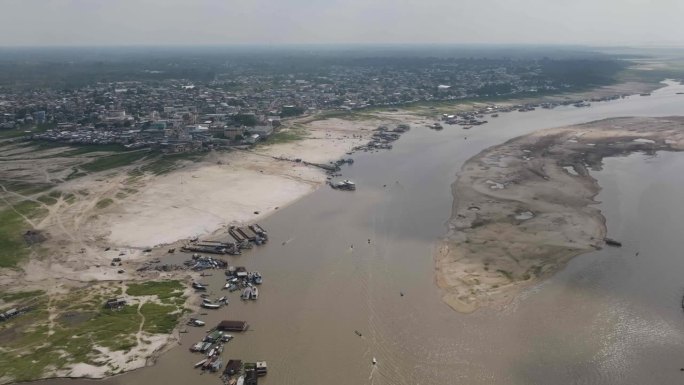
x,y
70,68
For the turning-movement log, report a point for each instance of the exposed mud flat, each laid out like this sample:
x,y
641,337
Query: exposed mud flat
x,y
524,208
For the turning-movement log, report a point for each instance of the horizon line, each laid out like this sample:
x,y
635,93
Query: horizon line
x,y
340,44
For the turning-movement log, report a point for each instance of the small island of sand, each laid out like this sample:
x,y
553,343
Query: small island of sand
x,y
524,208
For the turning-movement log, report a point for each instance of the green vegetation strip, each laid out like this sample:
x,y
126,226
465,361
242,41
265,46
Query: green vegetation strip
x,y
163,164
346,115
47,199
285,136
12,133
72,150
70,198
21,131
30,346
103,203
25,188
113,161
22,295
159,319
87,149
13,248
162,289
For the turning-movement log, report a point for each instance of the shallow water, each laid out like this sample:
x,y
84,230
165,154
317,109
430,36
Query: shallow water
x,y
609,317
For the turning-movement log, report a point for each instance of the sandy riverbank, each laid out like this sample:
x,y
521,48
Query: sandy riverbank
x,y
128,213
524,208
230,188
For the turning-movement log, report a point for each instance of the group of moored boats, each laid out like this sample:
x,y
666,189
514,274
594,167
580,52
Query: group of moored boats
x,y
240,278
212,346
216,304
469,119
200,262
252,371
241,238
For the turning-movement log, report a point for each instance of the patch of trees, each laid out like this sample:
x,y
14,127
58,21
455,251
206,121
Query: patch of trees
x,y
581,73
248,120
291,111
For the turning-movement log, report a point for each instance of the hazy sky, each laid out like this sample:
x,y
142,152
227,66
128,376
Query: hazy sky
x,y
123,22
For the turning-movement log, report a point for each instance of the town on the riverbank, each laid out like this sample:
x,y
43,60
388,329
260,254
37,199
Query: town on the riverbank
x,y
244,104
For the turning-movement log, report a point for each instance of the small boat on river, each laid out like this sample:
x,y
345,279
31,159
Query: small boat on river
x,y
258,279
612,242
344,185
246,294
196,322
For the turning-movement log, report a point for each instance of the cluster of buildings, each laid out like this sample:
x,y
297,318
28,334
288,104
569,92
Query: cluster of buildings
x,y
242,107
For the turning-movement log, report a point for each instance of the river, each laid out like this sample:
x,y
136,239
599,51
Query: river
x,y
610,317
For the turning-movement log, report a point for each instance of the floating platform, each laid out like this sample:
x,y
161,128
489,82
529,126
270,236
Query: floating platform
x,y
232,367
257,229
214,244
232,326
205,249
235,234
248,234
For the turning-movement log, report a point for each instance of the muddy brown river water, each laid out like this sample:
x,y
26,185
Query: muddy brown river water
x,y
610,317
